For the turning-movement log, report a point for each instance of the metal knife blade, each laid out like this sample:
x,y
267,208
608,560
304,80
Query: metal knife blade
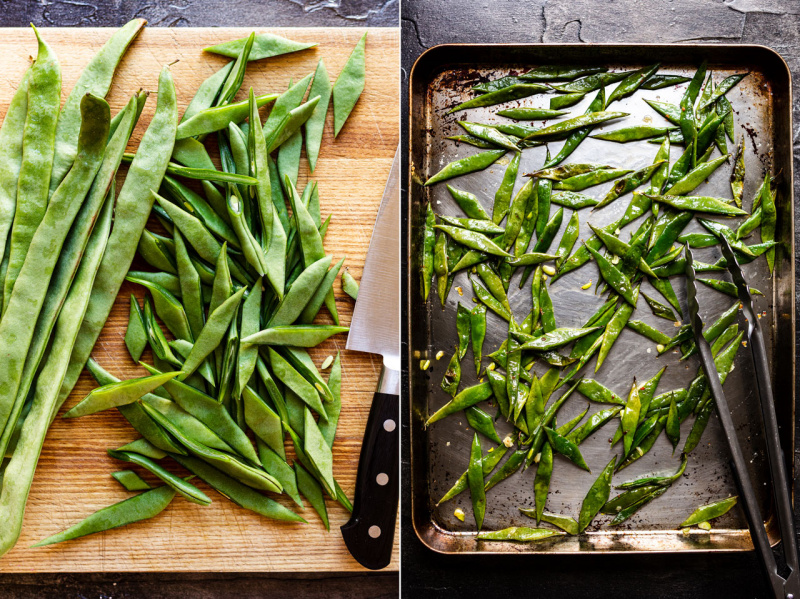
x,y
375,326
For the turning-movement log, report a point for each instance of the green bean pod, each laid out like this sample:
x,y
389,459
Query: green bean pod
x,y
506,94
597,496
135,509
35,169
466,398
541,483
710,511
470,164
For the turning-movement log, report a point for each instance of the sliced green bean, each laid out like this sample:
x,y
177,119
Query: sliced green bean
x,y
520,534
349,85
506,94
212,333
265,45
470,164
183,488
586,120
635,133
130,480
134,509
218,118
710,511
315,125
597,496
118,394
629,85
232,466
135,335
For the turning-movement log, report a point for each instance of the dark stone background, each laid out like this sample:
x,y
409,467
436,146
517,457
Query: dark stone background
x,y
426,23
199,13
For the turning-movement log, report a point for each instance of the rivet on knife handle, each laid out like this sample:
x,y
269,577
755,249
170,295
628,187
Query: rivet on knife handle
x,y
369,534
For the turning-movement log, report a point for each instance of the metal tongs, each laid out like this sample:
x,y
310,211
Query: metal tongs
x,y
784,588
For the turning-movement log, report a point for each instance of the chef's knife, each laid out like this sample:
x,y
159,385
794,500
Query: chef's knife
x,y
375,329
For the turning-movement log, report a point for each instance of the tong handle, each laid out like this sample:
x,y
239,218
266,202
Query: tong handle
x,y
775,457
780,481
739,466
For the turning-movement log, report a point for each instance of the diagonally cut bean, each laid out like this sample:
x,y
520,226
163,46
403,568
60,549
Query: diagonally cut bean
x,y
317,450
285,103
188,423
273,241
130,480
135,509
118,394
198,236
315,125
289,376
291,124
208,411
218,118
302,362
265,45
289,156
315,303
249,475
349,85
206,93
237,492
312,490
212,333
234,80
333,408
248,355
298,335
253,253
182,487
190,288
195,203
301,292
168,308
136,334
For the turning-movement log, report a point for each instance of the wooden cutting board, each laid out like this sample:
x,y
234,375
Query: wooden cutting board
x,y
74,474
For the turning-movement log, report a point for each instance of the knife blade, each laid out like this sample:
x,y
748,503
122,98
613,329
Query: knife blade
x,y
375,328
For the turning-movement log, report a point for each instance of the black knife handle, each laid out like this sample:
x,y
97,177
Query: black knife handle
x,y
369,534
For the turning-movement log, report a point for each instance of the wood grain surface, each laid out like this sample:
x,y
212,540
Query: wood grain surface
x,y
73,478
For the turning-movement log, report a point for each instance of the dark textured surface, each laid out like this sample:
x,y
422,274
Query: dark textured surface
x,y
197,586
775,23
199,13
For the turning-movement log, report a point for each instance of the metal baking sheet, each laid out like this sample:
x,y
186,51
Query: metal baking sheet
x,y
442,78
